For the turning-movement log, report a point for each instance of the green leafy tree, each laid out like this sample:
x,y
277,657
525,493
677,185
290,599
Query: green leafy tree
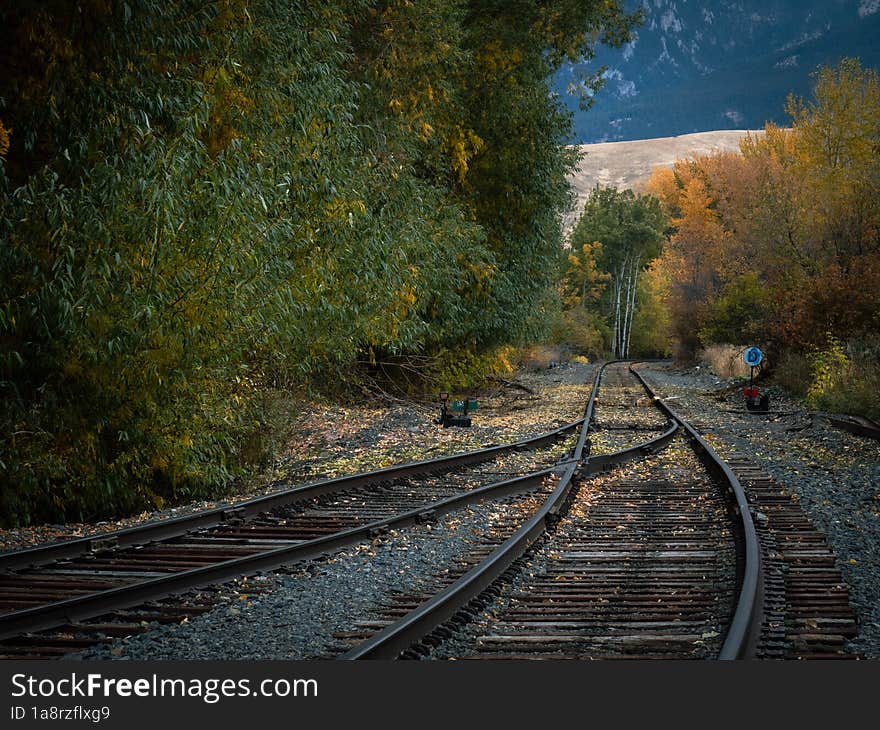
x,y
203,204
630,228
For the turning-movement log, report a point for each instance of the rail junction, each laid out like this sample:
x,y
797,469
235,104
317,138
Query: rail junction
x,y
627,537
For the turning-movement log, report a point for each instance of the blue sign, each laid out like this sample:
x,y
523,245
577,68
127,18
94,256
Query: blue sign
x,y
753,356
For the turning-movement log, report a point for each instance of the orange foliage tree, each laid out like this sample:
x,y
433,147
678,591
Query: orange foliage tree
x,y
781,242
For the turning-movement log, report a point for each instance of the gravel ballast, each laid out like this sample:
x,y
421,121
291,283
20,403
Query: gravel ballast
x,y
835,475
297,618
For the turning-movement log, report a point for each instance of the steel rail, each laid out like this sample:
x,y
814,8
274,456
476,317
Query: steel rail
x,y
603,462
852,424
745,627
395,638
178,526
742,635
91,605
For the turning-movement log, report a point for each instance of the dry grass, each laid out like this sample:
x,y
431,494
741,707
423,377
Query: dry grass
x,y
629,164
725,360
539,357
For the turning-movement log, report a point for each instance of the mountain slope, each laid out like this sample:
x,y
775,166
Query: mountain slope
x,y
629,164
719,65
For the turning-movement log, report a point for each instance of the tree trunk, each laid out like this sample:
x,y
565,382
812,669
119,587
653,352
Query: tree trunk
x,y
618,285
634,285
625,309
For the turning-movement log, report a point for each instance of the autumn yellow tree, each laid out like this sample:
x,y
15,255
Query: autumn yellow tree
x,y
837,154
781,243
583,282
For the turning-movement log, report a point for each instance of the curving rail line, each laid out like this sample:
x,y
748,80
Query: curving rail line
x,y
82,579
742,635
175,527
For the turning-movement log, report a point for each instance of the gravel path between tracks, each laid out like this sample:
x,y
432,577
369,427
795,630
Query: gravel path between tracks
x,y
834,474
297,617
332,440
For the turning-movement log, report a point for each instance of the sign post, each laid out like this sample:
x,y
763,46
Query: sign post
x,y
752,357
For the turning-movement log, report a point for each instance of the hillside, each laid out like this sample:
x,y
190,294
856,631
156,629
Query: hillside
x,y
718,65
629,164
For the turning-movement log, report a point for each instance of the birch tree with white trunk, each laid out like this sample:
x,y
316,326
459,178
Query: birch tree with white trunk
x,y
630,228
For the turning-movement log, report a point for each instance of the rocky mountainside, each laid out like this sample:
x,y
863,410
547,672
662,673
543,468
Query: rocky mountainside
x,y
704,65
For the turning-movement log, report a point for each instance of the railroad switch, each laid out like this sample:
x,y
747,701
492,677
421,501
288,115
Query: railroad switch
x,y
463,407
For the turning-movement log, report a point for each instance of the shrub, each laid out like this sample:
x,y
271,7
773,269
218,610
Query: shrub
x,y
846,379
461,369
737,315
794,373
587,332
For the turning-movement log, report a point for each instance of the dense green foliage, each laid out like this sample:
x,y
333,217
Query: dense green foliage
x,y
618,235
206,203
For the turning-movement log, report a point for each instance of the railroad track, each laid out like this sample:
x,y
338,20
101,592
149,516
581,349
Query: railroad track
x,y
660,559
66,596
807,614
664,564
643,566
636,541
